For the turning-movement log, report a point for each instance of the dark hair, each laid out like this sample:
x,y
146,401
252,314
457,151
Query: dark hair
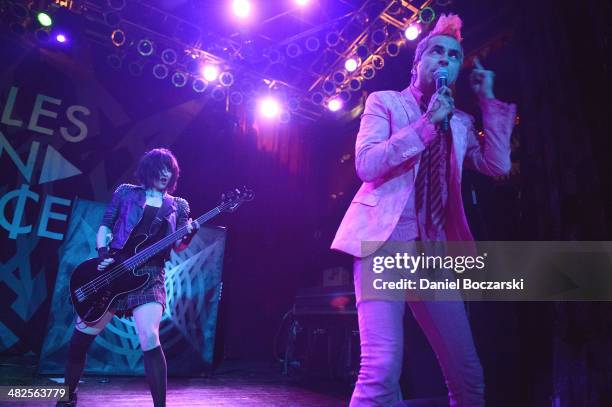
x,y
152,163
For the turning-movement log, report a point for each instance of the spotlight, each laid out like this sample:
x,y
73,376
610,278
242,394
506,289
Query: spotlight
x,y
168,56
362,52
368,72
145,47
61,38
116,4
218,93
160,71
317,98
351,64
293,50
241,8
274,56
284,117
354,84
329,87
179,79
302,2
379,36
44,19
236,98
210,72
42,35
114,61
226,79
199,85
339,77
312,44
332,39
412,32
112,18
427,15
293,104
393,49
135,68
378,62
334,104
269,108
344,96
118,37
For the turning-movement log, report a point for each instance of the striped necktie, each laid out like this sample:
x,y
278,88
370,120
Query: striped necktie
x,y
430,181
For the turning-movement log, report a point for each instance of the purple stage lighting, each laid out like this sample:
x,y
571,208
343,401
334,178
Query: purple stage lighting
x,y
241,8
412,32
269,108
334,104
302,2
210,72
351,64
61,38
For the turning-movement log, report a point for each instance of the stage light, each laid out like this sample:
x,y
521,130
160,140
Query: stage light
x,y
339,77
145,47
44,19
344,96
118,37
378,62
269,108
135,68
242,8
284,117
368,72
160,71
362,52
302,2
334,104
112,18
199,85
114,61
393,49
351,64
274,56
179,79
42,35
293,104
236,98
210,72
412,32
332,39
329,87
218,93
226,79
317,98
312,44
379,36
61,38
168,56
355,84
293,50
116,4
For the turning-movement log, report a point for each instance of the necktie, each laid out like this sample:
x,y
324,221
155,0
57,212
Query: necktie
x,y
431,179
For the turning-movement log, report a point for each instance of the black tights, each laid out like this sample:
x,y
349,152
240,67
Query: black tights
x,y
155,369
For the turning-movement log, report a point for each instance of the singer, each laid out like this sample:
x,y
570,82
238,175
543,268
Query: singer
x,y
410,151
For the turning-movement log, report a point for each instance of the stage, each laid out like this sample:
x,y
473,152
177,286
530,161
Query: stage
x,y
235,383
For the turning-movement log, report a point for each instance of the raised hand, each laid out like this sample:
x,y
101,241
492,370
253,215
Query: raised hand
x,y
481,80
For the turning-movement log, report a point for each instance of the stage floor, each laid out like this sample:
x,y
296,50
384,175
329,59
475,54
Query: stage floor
x,y
233,384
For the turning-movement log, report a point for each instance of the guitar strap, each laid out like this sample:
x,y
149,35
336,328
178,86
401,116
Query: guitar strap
x,y
161,214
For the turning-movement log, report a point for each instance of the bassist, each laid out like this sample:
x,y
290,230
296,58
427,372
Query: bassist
x,y
148,209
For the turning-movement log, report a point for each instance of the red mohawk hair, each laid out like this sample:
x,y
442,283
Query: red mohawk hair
x,y
448,24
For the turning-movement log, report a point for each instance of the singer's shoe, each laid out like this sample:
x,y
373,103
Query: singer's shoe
x,y
72,402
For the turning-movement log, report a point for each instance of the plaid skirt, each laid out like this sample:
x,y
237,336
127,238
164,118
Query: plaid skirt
x,y
153,291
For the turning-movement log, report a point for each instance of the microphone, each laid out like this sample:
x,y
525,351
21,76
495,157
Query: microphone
x,y
441,77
